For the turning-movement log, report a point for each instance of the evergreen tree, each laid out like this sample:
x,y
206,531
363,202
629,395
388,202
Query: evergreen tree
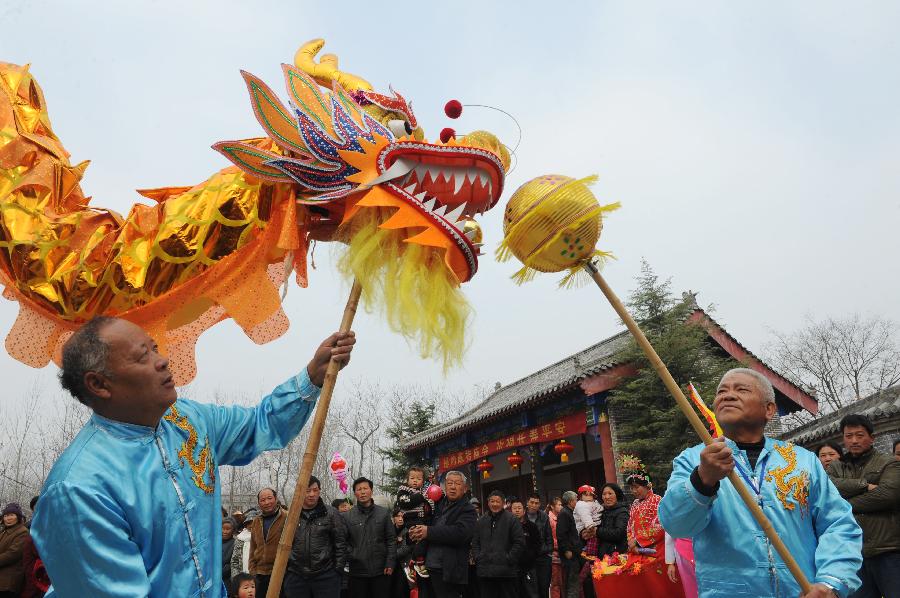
x,y
411,419
654,428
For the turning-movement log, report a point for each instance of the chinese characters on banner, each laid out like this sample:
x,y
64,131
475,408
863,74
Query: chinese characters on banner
x,y
566,426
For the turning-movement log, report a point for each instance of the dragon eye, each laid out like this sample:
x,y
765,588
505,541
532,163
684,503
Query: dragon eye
x,y
400,128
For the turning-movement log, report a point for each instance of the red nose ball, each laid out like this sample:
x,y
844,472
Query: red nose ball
x,y
447,134
434,492
453,108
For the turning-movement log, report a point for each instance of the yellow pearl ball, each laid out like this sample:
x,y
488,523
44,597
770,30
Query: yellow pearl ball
x,y
545,223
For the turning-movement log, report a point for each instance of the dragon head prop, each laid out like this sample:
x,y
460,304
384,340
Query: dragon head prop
x,y
359,162
353,149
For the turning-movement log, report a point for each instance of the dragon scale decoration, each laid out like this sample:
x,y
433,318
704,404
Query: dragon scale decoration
x,y
339,163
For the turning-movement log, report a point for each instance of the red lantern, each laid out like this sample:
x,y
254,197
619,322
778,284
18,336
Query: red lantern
x,y
515,460
485,468
563,448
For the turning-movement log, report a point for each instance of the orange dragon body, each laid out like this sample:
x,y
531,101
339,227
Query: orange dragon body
x,y
341,162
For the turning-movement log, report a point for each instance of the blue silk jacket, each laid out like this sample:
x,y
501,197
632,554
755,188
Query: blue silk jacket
x,y
130,511
732,554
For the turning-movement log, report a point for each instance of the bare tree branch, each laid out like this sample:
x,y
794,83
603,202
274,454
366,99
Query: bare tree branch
x,y
840,359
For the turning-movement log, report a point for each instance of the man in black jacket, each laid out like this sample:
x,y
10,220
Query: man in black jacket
x,y
449,537
319,551
527,579
371,542
497,547
543,564
568,543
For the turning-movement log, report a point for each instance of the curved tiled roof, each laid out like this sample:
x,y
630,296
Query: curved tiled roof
x,y
534,387
561,376
878,406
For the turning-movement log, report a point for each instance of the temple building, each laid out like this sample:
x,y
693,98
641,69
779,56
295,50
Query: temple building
x,y
554,430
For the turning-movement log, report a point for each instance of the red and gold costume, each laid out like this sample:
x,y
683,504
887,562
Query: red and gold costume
x,y
643,523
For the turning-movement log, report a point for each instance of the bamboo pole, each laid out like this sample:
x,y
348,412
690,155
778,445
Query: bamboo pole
x,y
309,455
698,425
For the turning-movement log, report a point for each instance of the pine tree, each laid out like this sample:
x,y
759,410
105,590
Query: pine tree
x,y
413,418
655,429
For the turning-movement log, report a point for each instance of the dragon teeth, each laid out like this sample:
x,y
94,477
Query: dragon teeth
x,y
455,214
421,196
471,234
399,168
458,180
441,176
429,205
440,211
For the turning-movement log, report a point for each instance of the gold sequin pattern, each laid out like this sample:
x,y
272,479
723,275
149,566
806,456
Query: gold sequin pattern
x,y
787,486
175,265
204,465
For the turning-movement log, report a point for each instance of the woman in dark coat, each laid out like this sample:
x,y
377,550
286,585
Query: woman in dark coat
x,y
12,542
612,532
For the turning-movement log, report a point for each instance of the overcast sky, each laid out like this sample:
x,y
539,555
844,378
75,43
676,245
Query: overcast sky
x,y
754,148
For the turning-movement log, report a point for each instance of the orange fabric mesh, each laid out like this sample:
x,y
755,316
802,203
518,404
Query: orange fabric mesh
x,y
243,286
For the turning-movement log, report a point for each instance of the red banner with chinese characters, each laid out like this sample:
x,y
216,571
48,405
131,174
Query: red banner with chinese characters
x,y
561,428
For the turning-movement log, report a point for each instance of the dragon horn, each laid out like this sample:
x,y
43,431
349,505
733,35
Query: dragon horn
x,y
326,70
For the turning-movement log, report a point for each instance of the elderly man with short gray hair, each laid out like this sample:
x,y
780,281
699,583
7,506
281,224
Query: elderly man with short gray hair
x,y
449,537
132,506
733,556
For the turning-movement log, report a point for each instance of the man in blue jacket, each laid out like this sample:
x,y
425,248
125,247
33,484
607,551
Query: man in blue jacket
x,y
133,507
733,556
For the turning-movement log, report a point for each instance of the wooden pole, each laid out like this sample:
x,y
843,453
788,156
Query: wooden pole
x,y
697,424
309,456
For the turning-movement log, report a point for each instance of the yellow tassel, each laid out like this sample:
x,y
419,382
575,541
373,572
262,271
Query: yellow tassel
x,y
577,276
503,252
523,275
409,283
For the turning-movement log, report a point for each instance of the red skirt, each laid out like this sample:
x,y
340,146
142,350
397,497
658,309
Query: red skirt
x,y
651,582
646,584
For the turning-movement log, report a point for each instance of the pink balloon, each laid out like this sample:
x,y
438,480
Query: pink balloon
x,y
340,472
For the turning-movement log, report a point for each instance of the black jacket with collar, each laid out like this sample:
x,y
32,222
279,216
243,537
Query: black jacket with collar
x,y
542,521
450,537
371,540
612,533
498,545
567,538
320,543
